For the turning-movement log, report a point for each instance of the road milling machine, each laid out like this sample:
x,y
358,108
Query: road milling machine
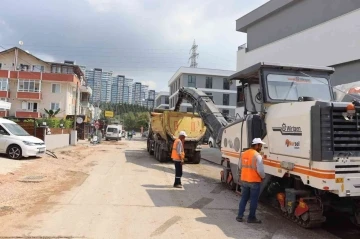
x,y
312,151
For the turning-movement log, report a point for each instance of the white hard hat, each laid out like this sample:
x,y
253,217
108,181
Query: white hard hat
x,y
182,133
257,141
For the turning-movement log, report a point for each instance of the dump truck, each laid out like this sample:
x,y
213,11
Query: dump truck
x,y
164,128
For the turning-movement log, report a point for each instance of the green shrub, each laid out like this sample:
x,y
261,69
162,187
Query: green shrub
x,y
55,123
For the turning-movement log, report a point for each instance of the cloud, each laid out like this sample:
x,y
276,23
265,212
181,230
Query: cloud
x,y
146,40
5,29
150,83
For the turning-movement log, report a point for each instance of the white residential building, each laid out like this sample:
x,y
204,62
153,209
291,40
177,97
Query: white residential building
x,y
213,82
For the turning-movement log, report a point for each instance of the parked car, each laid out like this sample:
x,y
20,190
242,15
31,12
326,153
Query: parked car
x,y
17,143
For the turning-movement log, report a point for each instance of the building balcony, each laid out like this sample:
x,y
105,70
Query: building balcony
x,y
85,104
3,113
57,77
26,114
86,90
4,94
29,95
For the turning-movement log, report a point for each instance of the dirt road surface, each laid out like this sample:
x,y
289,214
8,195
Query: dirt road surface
x,y
116,190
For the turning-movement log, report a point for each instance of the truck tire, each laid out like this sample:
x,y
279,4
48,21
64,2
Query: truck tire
x,y
155,150
158,153
148,146
162,155
197,157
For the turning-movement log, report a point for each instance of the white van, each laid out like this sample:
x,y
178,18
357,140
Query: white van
x,y
113,132
17,143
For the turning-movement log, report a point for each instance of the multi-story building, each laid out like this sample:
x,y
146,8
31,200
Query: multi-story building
x,y
144,92
106,80
32,85
93,79
100,81
117,89
149,101
127,92
162,100
151,95
136,93
211,81
321,32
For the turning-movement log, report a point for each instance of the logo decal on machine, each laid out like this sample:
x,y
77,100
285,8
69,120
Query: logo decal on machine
x,y
289,143
288,130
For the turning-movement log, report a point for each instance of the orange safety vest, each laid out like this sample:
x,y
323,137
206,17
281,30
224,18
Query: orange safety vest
x,y
248,167
174,154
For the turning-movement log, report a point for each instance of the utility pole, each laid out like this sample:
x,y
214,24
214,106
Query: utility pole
x,y
193,55
76,104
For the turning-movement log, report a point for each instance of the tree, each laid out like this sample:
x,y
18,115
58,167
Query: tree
x,y
51,113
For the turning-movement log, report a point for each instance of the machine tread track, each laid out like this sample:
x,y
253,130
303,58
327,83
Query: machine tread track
x,y
314,220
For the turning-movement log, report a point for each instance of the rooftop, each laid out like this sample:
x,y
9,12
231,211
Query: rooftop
x,y
199,71
260,13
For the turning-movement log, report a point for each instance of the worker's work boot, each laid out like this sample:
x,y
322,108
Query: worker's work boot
x,y
239,219
255,220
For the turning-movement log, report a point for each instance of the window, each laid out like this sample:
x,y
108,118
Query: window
x,y
191,81
226,99
54,106
208,83
189,109
24,67
3,131
240,96
290,87
38,68
4,84
28,86
226,84
225,112
55,88
29,106
167,100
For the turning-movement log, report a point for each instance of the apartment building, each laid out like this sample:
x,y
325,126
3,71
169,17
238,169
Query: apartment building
x,y
136,93
162,100
32,85
117,89
321,32
149,101
101,83
213,82
127,91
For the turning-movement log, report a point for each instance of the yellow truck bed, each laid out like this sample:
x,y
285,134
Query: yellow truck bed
x,y
171,123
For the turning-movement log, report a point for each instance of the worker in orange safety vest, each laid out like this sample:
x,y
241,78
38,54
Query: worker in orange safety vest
x,y
178,156
252,173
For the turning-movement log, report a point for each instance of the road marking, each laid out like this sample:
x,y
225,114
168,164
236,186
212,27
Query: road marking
x,y
202,202
160,230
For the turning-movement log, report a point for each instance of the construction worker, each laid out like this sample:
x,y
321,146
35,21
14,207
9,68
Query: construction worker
x,y
252,173
178,155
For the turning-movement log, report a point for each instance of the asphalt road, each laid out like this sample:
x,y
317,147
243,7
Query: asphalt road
x,y
128,194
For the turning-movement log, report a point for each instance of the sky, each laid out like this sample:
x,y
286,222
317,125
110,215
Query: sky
x,y
146,40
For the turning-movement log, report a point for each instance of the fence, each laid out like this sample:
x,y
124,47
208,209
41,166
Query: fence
x,y
31,128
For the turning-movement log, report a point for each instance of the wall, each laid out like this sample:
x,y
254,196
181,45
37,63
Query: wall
x,y
49,97
54,141
295,18
7,59
346,73
330,43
